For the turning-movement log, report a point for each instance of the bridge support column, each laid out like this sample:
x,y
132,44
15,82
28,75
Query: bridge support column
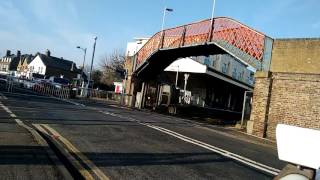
x,y
143,94
261,101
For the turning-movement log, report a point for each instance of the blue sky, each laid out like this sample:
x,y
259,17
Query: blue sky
x,y
61,25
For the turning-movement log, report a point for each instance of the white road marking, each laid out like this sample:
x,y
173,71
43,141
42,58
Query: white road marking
x,y
95,169
215,149
3,96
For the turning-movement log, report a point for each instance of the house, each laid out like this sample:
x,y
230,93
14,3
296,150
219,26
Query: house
x,y
22,69
47,66
9,63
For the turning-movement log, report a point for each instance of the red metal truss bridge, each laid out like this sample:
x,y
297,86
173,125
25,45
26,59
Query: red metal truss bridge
x,y
211,36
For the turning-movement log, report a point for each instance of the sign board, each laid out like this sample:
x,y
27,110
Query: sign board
x,y
298,145
187,97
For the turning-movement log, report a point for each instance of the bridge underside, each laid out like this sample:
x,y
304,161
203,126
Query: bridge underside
x,y
164,57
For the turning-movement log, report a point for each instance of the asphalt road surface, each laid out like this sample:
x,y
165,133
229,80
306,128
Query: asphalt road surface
x,y
130,144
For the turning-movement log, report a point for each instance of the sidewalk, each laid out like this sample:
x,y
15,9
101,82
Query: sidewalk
x,y
21,157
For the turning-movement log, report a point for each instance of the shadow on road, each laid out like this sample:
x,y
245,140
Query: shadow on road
x,y
23,155
140,159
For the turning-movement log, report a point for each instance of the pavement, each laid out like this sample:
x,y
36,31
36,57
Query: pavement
x,y
21,156
119,143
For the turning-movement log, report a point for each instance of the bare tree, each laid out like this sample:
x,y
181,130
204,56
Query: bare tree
x,y
112,67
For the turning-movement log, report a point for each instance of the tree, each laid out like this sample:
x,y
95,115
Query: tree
x,y
96,76
112,67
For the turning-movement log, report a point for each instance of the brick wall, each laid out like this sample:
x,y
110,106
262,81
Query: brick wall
x,y
261,97
295,100
290,92
287,98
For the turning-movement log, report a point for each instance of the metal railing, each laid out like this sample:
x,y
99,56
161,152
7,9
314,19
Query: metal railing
x,y
48,89
43,88
224,30
116,98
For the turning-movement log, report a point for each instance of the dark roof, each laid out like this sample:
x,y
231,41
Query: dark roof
x,y
58,63
28,58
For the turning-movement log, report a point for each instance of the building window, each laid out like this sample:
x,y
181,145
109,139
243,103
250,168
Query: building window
x,y
241,75
234,73
224,68
207,60
214,61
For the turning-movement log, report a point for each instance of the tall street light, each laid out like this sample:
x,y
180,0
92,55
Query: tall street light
x,y
212,13
94,49
165,10
82,69
84,56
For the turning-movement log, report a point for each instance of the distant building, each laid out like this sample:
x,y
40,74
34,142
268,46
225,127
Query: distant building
x,y
9,63
135,46
118,87
132,49
47,65
22,68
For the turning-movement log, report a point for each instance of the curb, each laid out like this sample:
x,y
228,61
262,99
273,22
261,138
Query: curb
x,y
51,154
66,158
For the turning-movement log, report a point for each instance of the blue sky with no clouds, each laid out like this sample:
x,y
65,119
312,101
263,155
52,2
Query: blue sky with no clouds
x,y
61,25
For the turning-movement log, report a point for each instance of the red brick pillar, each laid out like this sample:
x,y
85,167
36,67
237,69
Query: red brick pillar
x,y
260,107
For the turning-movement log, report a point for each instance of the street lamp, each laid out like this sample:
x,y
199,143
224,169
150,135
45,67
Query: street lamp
x,y
212,13
94,49
84,56
82,69
164,16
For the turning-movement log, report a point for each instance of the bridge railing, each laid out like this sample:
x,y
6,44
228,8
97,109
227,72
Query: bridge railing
x,y
224,30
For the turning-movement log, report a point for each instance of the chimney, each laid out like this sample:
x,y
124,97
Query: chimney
x,y
8,53
48,52
18,53
72,67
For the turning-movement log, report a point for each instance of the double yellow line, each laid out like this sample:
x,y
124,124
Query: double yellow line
x,y
71,150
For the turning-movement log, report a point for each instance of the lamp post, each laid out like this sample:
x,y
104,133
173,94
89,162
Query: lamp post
x,y
212,13
164,16
94,49
82,69
84,56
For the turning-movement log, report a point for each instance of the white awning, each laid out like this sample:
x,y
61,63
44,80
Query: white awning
x,y
187,65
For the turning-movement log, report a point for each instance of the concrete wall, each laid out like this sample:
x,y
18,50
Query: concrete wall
x,y
290,93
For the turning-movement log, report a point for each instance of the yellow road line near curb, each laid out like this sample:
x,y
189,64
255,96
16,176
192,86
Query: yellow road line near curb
x,y
85,173
75,151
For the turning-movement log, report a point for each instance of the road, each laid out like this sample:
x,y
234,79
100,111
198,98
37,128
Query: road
x,y
119,143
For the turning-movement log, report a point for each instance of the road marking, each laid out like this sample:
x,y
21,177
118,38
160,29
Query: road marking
x,y
83,171
76,152
215,149
3,96
220,151
71,102
38,138
44,97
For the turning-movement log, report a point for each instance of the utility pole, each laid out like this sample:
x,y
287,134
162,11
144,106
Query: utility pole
x,y
82,71
94,49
